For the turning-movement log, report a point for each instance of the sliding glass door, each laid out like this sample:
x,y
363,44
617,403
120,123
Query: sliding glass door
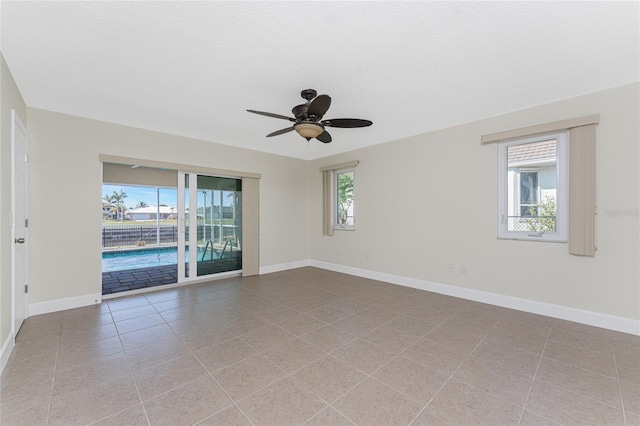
x,y
210,217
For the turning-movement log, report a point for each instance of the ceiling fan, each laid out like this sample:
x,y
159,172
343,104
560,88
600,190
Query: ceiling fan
x,y
308,120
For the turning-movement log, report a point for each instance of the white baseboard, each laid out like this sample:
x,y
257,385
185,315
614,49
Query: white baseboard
x,y
91,299
596,319
64,304
284,266
5,351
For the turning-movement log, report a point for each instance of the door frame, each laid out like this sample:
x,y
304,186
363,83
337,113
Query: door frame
x,y
17,123
190,203
250,214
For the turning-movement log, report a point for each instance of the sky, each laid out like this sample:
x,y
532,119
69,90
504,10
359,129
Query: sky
x,y
135,194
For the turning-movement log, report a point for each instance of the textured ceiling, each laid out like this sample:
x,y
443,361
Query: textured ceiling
x,y
193,68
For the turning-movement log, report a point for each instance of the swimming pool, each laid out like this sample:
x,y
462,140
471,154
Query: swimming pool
x,y
143,258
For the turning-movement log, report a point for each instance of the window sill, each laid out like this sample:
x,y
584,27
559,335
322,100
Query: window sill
x,y
548,239
340,228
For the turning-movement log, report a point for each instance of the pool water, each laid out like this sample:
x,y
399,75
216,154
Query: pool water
x,y
144,258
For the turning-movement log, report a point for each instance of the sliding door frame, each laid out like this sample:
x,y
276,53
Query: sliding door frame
x,y
250,213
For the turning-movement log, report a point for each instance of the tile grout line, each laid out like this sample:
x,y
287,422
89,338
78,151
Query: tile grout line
x,y
290,375
115,414
210,374
572,391
578,393
615,363
133,377
399,354
306,422
456,370
55,370
287,375
535,373
191,381
106,381
370,376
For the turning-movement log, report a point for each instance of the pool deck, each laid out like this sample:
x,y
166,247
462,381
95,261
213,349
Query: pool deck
x,y
134,279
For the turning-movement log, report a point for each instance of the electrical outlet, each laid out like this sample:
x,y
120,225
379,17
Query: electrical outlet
x,y
367,256
463,269
452,268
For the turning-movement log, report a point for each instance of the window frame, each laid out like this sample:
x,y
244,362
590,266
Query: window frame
x,y
336,225
562,189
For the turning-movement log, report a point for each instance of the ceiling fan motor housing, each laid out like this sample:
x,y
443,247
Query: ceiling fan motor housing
x,y
300,111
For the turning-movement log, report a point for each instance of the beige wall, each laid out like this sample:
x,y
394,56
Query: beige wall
x,y
66,192
430,200
422,203
10,98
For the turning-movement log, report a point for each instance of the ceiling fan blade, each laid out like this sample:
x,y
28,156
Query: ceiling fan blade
x,y
324,137
280,132
270,114
319,106
347,123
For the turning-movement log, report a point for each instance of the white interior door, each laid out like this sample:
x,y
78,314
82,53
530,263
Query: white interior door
x,y
19,224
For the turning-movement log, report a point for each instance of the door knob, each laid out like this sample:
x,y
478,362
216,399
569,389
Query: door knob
x,y
19,240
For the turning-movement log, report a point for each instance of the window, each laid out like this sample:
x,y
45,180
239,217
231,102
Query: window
x,y
532,188
338,202
576,195
344,181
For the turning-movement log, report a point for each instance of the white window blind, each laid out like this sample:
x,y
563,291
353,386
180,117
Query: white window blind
x,y
582,190
250,226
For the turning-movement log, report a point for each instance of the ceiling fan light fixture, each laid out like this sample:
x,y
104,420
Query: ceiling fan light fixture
x,y
308,130
308,121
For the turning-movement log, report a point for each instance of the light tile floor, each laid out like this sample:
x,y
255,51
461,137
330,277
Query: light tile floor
x,y
314,347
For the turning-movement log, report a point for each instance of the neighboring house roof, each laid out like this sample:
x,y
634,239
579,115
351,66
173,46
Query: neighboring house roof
x,y
152,209
532,152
